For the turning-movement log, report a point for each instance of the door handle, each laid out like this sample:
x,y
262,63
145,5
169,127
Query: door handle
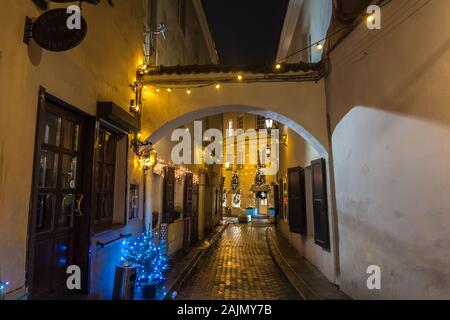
x,y
78,211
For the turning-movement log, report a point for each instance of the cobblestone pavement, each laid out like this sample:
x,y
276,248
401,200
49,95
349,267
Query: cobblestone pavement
x,y
240,267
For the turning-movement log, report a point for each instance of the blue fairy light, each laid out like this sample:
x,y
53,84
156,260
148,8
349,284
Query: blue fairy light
x,y
3,286
150,259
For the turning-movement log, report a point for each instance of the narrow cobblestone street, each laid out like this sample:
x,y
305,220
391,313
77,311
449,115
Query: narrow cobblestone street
x,y
240,267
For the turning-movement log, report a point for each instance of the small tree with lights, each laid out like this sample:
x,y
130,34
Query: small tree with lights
x,y
260,180
149,258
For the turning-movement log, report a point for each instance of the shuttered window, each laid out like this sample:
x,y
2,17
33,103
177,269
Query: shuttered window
x,y
297,200
168,195
319,191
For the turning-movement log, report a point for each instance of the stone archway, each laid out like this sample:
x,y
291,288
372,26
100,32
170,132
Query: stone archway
x,y
167,128
301,106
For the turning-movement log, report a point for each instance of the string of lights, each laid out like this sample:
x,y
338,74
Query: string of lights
x,y
277,73
3,286
149,258
320,43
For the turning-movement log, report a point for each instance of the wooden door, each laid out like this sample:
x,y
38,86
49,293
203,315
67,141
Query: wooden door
x,y
297,200
168,195
195,193
320,203
276,197
58,234
187,211
187,204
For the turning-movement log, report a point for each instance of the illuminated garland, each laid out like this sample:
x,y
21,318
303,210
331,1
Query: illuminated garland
x,y
159,168
196,179
150,259
180,172
3,286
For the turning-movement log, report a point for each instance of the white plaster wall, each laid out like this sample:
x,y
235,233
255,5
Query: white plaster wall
x,y
306,22
388,101
175,236
300,153
157,194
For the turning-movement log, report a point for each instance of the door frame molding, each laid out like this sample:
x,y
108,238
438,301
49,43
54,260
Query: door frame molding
x,y
86,186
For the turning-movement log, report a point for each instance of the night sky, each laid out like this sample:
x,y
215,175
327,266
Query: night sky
x,y
246,31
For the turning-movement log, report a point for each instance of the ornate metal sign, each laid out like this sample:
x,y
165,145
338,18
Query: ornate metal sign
x,y
50,31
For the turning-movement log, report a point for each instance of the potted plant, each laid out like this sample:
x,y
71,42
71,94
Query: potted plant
x,y
151,261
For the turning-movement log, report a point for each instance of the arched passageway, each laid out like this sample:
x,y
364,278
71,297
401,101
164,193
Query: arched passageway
x,y
328,260
300,105
168,127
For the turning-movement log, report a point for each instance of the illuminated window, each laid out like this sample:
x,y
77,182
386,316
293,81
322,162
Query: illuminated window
x,y
230,128
240,122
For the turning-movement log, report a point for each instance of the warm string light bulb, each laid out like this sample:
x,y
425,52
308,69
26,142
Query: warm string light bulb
x,y
217,86
278,66
240,77
169,90
188,91
319,46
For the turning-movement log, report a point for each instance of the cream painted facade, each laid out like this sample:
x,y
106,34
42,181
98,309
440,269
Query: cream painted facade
x,y
101,68
247,171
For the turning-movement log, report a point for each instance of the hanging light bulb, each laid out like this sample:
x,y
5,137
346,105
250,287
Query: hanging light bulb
x,y
217,86
158,90
319,46
169,89
188,91
278,66
240,77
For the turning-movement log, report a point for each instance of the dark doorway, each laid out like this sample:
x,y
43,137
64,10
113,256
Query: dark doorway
x,y
194,231
59,218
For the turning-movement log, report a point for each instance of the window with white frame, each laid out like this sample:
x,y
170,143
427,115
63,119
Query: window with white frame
x,y
230,128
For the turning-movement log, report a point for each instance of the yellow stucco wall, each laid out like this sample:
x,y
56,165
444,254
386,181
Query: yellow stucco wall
x,y
99,69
